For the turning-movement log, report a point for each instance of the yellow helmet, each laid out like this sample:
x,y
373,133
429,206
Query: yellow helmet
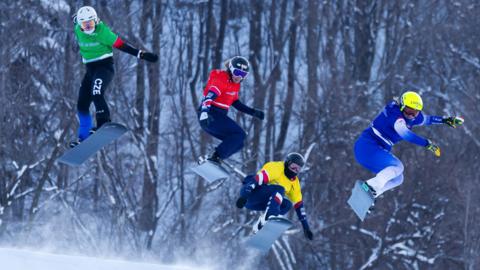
x,y
412,100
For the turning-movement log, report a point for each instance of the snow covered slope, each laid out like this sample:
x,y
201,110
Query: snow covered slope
x,y
14,259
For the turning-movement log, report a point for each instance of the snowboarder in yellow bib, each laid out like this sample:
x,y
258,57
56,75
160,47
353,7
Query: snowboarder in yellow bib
x,y
275,189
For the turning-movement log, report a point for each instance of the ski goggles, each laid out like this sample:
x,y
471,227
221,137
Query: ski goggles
x,y
411,113
239,73
87,25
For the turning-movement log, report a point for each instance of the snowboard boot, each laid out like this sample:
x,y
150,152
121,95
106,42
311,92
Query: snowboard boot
x,y
92,131
215,159
72,144
259,224
261,221
369,189
372,207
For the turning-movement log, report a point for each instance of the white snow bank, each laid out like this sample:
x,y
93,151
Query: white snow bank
x,y
15,259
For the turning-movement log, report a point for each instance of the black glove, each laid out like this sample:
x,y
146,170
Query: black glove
x,y
148,56
308,234
434,148
259,114
241,202
306,229
453,121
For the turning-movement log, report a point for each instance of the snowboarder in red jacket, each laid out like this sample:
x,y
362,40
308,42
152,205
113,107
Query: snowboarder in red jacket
x,y
221,92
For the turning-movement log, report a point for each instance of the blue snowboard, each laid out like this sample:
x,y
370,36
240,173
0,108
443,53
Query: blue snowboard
x,y
270,232
361,199
103,136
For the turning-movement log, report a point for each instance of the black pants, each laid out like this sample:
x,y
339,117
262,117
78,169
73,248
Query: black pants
x,y
95,82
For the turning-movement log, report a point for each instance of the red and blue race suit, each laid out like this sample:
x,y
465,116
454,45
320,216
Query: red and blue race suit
x,y
219,94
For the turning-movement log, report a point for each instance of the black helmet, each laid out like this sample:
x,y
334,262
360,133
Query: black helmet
x,y
293,158
238,66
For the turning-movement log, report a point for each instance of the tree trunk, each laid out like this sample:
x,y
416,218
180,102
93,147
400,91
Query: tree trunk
x,y
139,112
292,47
259,93
149,203
312,112
218,49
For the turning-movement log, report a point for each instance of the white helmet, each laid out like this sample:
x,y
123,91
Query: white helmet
x,y
84,14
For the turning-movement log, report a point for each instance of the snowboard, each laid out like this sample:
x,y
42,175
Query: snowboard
x,y
103,136
361,199
269,233
210,171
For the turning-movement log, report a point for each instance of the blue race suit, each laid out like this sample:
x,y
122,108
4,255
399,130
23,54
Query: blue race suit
x,y
372,148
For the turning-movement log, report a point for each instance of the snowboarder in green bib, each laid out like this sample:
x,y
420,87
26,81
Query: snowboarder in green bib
x,y
96,42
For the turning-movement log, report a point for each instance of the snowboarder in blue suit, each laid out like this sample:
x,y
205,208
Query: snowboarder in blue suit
x,y
393,124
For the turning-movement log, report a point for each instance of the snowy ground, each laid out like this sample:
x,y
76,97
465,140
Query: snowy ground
x,y
15,259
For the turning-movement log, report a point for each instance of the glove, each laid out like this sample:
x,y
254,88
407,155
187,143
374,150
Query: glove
x,y
308,234
434,148
148,56
453,121
241,202
306,230
247,190
259,114
74,19
205,119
